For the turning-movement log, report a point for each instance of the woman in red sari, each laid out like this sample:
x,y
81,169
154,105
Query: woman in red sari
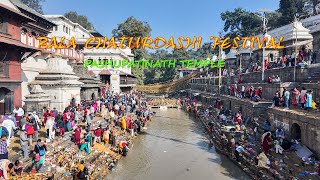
x,y
77,136
265,144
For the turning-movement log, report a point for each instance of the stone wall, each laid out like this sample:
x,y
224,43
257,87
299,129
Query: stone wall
x,y
62,96
30,70
249,108
285,74
86,93
309,125
268,90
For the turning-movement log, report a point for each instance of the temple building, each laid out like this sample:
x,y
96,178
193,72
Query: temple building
x,y
295,35
92,87
231,59
12,53
119,79
35,61
60,83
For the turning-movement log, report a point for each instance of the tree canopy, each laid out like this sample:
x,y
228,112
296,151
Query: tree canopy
x,y
34,4
132,27
241,23
80,19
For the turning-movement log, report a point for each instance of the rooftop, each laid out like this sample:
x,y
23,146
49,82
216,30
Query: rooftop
x,y
20,5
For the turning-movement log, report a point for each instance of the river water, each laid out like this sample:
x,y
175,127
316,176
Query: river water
x,y
174,148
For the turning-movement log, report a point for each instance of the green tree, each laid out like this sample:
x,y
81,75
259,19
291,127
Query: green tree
x,y
133,27
311,7
205,51
240,22
34,4
273,20
289,9
80,19
157,75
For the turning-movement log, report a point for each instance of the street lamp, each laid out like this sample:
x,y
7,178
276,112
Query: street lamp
x,y
295,24
264,29
268,37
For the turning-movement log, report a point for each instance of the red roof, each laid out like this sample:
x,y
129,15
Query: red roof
x,y
14,42
91,72
105,72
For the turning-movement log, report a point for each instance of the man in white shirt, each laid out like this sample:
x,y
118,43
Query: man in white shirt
x,y
9,125
243,89
18,112
49,127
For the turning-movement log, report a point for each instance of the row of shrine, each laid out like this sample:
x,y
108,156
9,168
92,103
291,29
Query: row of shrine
x,y
35,78
302,34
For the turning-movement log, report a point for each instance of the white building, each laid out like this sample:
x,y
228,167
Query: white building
x,y
119,78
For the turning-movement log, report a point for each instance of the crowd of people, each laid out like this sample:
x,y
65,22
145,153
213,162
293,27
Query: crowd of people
x,y
120,113
242,91
258,149
297,99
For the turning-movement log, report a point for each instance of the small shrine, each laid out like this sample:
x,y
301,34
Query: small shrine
x,y
60,82
37,99
91,88
231,59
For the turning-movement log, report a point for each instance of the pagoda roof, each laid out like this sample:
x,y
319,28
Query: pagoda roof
x,y
16,11
105,72
20,5
290,32
232,54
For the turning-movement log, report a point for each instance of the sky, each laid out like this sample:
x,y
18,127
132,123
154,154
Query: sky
x,y
167,18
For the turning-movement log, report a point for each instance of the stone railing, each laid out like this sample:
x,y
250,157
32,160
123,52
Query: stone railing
x,y
286,74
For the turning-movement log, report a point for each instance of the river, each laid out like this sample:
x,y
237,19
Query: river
x,y
174,147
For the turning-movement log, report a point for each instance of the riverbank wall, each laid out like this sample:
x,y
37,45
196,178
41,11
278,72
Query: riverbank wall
x,y
286,166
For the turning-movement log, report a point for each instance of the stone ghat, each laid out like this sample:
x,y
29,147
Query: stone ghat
x,y
286,166
248,108
268,89
298,121
63,156
285,74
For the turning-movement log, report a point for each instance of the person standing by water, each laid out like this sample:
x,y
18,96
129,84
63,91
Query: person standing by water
x,y
286,96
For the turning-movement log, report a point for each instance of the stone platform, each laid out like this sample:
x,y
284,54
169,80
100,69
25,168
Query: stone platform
x,y
297,123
